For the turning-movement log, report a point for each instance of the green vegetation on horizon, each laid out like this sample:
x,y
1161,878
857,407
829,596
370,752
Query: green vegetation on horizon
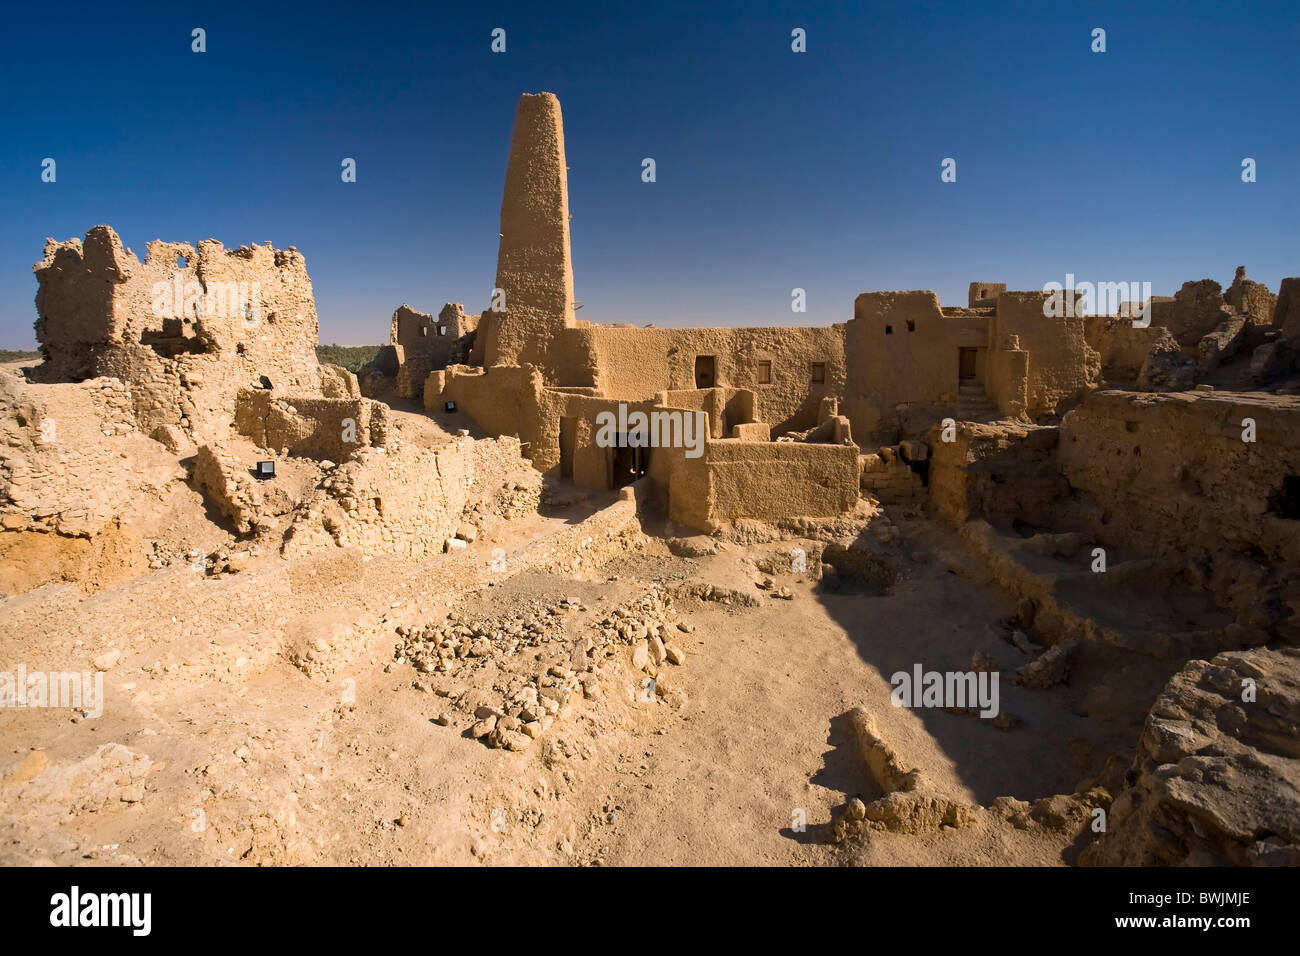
x,y
351,357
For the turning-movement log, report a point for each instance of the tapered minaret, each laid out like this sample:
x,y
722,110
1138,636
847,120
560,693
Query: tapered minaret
x,y
533,266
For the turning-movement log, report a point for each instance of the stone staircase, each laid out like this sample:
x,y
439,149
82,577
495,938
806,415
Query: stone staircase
x,y
973,405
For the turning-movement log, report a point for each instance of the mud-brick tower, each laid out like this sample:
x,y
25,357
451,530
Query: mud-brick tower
x,y
534,269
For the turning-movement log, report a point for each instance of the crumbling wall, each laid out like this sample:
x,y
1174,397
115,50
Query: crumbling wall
x,y
1121,347
408,502
1251,299
770,481
502,400
309,427
186,329
1171,472
1062,366
1001,473
424,344
1193,311
62,451
887,475
226,481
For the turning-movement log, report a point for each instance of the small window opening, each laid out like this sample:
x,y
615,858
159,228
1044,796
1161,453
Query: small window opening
x,y
911,325
889,330
765,373
818,373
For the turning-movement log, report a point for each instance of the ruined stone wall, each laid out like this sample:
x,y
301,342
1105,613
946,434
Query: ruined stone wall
x,y
1062,367
1194,311
1171,473
309,427
901,350
1251,299
889,478
1001,473
408,502
1286,316
425,344
1121,348
503,400
186,328
770,481
62,448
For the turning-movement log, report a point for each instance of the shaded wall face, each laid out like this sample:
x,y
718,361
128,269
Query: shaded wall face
x,y
901,350
412,330
75,293
1172,474
779,365
1286,316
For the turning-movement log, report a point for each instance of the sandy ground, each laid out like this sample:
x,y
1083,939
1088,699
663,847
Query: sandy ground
x,y
213,748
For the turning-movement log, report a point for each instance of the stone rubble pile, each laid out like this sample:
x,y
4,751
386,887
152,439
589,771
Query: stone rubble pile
x,y
647,625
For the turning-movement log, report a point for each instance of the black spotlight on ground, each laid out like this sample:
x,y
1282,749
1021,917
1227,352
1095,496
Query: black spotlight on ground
x,y
449,406
265,469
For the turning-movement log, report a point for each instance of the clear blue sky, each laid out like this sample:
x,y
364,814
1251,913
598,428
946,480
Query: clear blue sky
x,y
775,169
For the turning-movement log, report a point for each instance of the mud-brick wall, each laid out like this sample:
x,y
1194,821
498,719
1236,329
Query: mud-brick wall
x,y
1062,366
1170,472
1121,347
634,364
901,350
408,502
187,327
771,481
1001,473
309,427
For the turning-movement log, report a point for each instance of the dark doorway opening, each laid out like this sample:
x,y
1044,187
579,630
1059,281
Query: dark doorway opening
x,y
704,371
966,364
626,464
1287,501
566,447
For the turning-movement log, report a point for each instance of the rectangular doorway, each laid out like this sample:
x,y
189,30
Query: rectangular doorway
x,y
966,366
704,371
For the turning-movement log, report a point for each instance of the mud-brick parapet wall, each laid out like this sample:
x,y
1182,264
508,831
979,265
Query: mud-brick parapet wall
x,y
770,481
310,427
188,327
1172,472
